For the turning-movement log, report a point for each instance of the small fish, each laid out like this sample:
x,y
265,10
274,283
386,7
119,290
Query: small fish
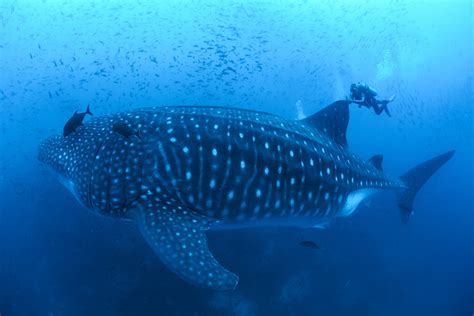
x,y
347,284
309,244
75,121
125,130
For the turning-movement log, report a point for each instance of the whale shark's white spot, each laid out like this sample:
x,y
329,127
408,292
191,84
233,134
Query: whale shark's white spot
x,y
242,164
225,212
214,152
256,210
339,199
266,171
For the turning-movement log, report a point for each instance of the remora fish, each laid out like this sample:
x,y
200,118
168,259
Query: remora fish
x,y
125,130
75,121
202,167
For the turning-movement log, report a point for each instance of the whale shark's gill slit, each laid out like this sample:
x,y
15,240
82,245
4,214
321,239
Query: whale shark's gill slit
x,y
251,180
201,172
96,155
166,165
123,181
177,174
109,174
156,171
228,168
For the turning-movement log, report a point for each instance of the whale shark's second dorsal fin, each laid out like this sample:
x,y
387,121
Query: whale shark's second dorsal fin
x,y
376,161
332,121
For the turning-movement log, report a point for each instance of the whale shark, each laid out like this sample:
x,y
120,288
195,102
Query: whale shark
x,y
196,168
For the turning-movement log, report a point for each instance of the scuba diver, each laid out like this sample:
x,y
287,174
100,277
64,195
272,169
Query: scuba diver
x,y
364,95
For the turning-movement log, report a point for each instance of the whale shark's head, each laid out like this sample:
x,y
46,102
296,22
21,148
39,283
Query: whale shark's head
x,y
68,161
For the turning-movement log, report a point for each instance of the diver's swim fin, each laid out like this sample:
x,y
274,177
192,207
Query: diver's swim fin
x,y
387,111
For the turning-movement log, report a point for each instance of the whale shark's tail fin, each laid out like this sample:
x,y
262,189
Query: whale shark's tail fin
x,y
414,180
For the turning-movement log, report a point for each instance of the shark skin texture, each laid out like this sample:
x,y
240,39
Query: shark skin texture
x,y
195,168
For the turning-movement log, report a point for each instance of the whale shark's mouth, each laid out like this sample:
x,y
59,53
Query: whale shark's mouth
x,y
69,184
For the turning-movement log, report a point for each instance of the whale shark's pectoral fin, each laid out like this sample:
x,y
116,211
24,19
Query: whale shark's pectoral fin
x,y
177,235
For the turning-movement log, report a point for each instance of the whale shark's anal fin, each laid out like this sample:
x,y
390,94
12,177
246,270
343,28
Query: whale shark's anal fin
x,y
177,235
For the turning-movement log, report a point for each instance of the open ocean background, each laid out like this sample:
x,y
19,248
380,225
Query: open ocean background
x,y
289,58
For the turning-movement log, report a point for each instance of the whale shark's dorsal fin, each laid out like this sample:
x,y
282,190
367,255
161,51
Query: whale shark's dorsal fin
x,y
376,161
177,235
332,121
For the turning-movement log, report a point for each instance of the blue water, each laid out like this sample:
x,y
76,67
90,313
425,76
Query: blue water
x,y
287,58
